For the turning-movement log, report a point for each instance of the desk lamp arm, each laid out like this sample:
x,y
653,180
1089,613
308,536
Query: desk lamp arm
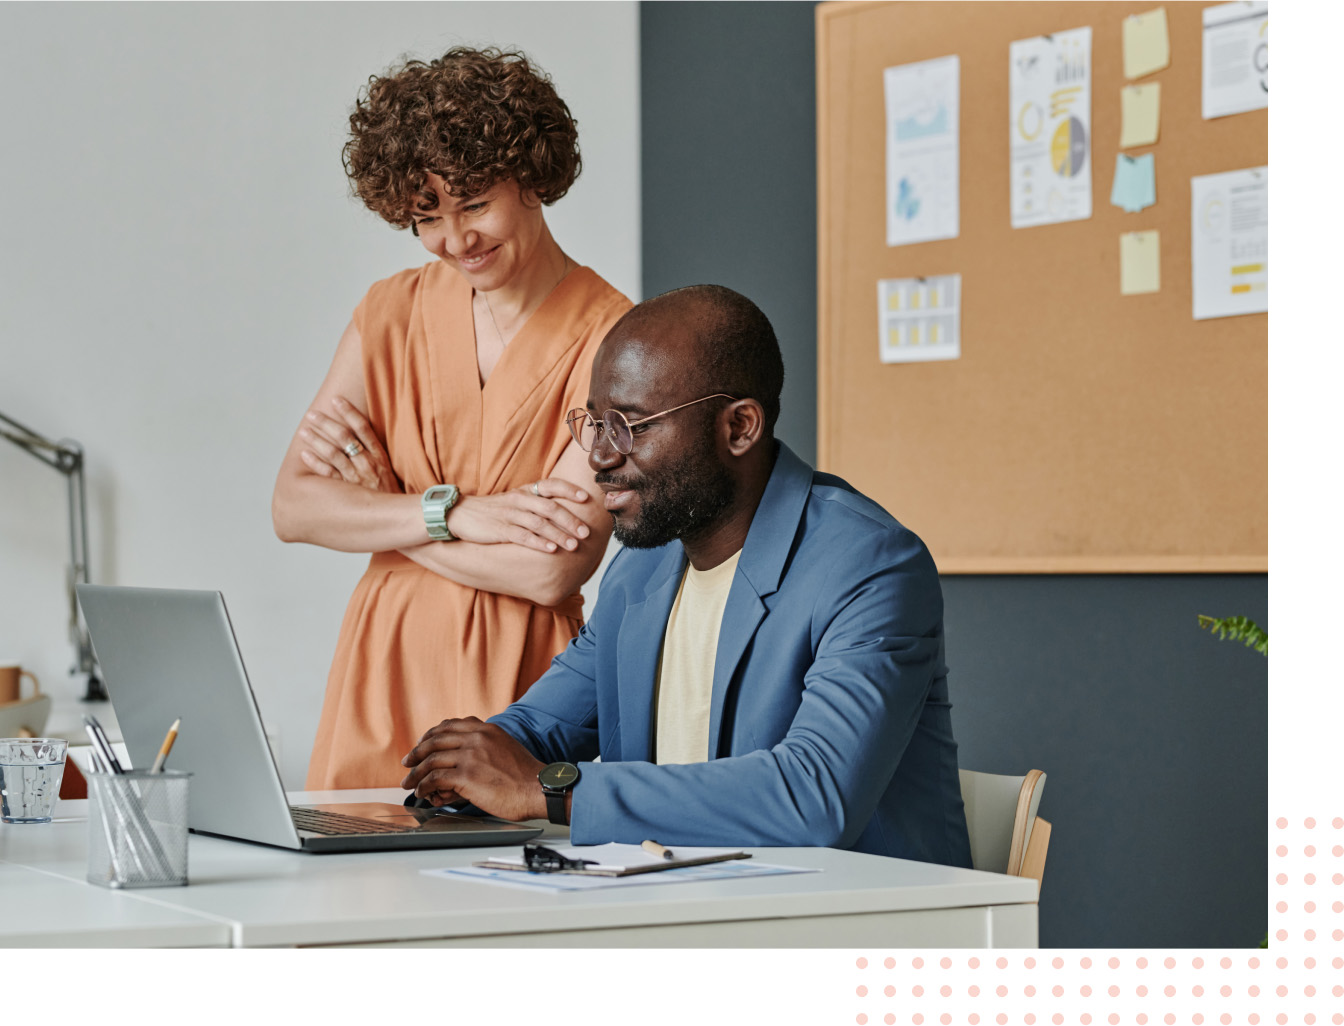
x,y
67,457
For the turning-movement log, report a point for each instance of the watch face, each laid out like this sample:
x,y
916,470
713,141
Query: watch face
x,y
559,775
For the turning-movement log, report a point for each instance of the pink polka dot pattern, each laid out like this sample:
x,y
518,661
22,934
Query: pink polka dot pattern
x,y
1298,982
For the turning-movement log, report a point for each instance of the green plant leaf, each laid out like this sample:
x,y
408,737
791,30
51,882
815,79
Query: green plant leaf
x,y
1238,628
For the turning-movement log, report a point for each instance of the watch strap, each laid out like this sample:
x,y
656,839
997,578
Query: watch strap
x,y
555,806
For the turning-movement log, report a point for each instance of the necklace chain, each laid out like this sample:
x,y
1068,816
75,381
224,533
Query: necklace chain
x,y
564,271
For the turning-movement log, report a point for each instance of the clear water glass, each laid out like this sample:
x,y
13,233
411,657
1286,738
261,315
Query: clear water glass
x,y
30,778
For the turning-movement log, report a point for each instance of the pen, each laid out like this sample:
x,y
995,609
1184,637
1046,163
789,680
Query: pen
x,y
654,848
100,742
166,747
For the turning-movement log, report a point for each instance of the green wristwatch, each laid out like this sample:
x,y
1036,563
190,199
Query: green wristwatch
x,y
435,504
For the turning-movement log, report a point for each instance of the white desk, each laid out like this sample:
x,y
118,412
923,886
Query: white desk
x,y
253,896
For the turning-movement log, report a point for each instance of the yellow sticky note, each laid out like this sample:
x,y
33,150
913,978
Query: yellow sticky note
x,y
1140,263
1147,47
1139,113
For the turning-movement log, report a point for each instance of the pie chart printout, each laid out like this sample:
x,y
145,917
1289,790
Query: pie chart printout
x,y
1050,128
1068,149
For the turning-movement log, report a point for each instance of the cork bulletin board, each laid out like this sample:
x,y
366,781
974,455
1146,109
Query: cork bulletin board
x,y
1079,430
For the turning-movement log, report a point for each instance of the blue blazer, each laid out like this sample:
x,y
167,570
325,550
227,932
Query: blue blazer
x,y
830,720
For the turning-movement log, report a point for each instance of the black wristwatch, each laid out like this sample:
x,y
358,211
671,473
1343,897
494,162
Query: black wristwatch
x,y
557,780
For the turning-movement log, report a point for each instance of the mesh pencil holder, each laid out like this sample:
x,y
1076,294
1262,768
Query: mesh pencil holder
x,y
138,829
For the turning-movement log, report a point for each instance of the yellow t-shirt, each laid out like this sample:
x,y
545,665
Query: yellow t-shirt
x,y
686,667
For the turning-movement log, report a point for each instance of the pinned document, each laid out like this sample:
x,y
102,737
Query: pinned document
x,y
1236,59
1140,263
1135,185
1050,128
1140,110
1229,241
919,319
1147,46
923,151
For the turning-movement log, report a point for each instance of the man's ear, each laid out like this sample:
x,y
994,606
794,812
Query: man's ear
x,y
746,425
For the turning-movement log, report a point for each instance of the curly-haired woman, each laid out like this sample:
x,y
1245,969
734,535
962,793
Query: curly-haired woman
x,y
437,441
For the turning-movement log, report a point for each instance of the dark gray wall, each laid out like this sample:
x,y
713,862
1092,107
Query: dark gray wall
x,y
1153,734
728,117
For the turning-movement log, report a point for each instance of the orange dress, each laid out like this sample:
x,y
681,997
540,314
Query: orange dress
x,y
416,648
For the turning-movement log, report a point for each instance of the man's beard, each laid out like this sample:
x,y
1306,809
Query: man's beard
x,y
680,501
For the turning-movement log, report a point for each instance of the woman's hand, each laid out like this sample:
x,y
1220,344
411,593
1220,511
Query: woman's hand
x,y
527,516
330,439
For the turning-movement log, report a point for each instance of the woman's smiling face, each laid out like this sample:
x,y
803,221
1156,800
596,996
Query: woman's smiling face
x,y
487,238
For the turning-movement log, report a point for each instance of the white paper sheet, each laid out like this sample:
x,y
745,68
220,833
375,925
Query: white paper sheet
x,y
923,177
1229,243
558,882
1236,59
1050,128
919,319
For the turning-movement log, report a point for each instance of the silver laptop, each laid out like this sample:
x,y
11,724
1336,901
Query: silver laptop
x,y
172,654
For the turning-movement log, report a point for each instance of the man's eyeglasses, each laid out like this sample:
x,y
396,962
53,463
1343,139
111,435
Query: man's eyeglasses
x,y
540,859
614,427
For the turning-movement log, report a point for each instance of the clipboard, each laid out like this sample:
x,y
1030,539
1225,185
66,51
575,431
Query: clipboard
x,y
619,860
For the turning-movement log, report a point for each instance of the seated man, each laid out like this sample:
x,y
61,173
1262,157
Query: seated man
x,y
764,665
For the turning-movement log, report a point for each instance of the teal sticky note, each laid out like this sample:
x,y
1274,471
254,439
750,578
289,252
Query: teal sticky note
x,y
1135,185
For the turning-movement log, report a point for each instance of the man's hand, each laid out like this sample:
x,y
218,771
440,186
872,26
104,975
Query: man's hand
x,y
479,762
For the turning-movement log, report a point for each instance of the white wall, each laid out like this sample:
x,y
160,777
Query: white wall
x,y
178,256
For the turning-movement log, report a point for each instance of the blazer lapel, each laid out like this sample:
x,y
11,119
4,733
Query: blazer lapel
x,y
639,643
741,616
759,571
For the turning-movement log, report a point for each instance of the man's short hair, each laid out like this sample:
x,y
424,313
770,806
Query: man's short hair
x,y
739,350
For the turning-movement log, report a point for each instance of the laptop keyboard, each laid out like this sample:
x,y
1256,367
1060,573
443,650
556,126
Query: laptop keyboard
x,y
319,821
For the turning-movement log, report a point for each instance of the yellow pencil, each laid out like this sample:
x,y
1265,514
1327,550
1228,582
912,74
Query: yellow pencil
x,y
166,747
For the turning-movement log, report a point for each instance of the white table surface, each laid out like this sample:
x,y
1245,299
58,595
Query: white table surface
x,y
251,895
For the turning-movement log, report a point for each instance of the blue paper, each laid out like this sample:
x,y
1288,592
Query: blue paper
x,y
1135,184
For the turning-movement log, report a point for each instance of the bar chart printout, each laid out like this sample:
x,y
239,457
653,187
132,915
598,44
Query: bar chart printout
x,y
919,319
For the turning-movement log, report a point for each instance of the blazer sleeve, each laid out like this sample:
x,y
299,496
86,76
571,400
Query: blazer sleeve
x,y
877,627
556,719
